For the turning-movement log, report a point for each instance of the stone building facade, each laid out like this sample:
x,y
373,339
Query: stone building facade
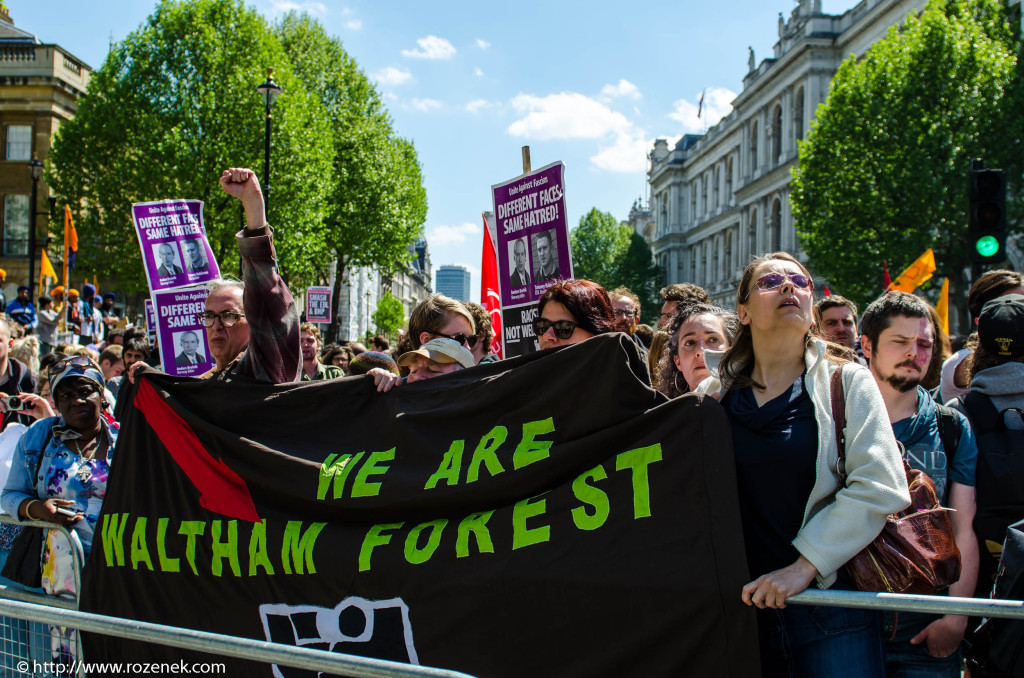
x,y
717,199
40,85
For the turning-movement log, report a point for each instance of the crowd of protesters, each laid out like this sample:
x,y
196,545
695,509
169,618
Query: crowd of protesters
x,y
768,361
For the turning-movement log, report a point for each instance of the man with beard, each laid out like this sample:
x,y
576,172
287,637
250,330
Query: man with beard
x,y
898,340
310,343
626,309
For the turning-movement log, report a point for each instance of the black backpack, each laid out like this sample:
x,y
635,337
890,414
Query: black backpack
x,y
996,648
999,481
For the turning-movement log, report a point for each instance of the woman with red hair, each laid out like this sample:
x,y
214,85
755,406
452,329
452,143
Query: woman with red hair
x,y
571,311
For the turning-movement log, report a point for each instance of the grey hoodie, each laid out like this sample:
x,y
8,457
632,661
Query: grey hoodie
x,y
1004,385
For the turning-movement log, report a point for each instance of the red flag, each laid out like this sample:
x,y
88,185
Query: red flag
x,y
886,279
489,296
827,293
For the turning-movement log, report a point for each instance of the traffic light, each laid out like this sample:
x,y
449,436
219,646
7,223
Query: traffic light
x,y
986,221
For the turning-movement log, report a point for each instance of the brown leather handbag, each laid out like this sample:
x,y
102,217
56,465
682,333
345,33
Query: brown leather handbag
x,y
916,551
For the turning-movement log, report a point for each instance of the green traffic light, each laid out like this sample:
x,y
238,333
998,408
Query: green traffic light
x,y
987,246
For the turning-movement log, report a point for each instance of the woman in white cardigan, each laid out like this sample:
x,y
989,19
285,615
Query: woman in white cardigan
x,y
799,524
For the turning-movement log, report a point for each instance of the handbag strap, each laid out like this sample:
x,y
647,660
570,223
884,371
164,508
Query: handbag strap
x,y
838,397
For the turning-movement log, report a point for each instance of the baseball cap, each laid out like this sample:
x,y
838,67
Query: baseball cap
x,y
1001,326
440,350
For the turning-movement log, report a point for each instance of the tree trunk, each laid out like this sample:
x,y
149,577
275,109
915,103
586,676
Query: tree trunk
x,y
335,326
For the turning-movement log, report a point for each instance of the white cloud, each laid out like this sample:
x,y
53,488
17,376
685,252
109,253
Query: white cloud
x,y
284,6
627,153
570,115
717,104
426,104
451,235
431,47
482,44
476,104
567,115
392,76
478,72
354,25
624,88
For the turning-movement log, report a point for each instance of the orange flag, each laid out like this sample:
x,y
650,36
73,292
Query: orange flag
x,y
942,308
70,243
917,273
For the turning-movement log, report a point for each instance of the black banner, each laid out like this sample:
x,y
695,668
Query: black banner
x,y
548,515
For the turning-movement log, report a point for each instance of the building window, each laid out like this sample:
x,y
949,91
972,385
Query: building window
x,y
727,256
776,135
16,225
718,183
728,181
776,226
798,114
693,202
752,234
704,194
19,142
753,147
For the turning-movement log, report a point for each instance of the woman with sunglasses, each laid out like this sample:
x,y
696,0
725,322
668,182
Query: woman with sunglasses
x,y
571,311
437,316
59,475
800,524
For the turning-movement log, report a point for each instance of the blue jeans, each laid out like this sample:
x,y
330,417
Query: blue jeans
x,y
801,641
903,660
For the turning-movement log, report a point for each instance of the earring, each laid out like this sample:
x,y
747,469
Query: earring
x,y
675,380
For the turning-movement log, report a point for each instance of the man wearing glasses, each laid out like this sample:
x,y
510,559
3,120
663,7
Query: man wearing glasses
x,y
626,307
252,327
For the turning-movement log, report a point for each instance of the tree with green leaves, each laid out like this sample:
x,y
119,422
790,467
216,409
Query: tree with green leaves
x,y
883,171
611,253
389,316
172,106
377,200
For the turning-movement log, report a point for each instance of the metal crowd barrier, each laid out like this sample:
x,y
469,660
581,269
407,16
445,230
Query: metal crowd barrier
x,y
974,607
24,642
224,646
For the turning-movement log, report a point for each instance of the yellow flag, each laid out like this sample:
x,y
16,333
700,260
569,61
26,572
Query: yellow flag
x,y
942,308
918,272
45,268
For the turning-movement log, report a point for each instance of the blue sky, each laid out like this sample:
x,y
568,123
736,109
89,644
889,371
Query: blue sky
x,y
589,83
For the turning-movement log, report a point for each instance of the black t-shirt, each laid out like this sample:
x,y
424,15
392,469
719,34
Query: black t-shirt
x,y
776,450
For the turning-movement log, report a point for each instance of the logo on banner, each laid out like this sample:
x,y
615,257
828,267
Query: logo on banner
x,y
368,628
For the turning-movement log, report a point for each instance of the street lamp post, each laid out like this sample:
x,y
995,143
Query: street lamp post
x,y
269,90
35,168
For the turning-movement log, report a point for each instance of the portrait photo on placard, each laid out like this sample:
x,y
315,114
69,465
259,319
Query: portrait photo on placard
x,y
518,263
188,348
168,259
195,257
545,255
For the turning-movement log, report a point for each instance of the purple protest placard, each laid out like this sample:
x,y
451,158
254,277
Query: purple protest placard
x,y
183,348
318,304
532,248
175,249
151,322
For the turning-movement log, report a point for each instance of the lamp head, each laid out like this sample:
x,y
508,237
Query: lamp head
x,y
269,89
